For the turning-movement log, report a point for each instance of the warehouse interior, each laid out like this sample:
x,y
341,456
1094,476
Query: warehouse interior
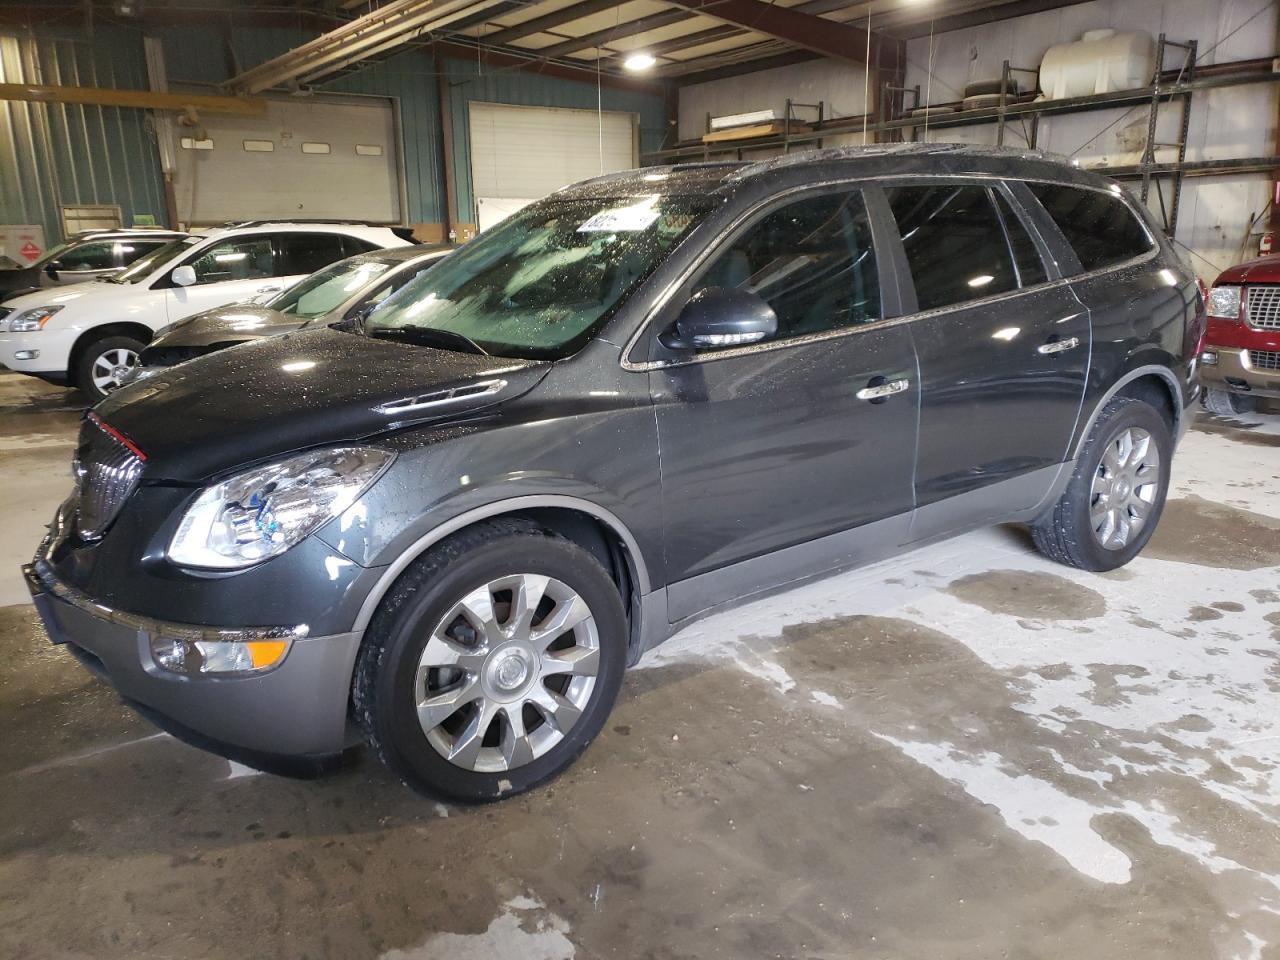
x,y
963,750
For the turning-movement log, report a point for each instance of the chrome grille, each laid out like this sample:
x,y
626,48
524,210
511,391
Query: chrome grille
x,y
1262,306
107,471
1264,359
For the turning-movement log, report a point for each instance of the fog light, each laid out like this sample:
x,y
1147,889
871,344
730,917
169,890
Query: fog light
x,y
26,354
194,657
1209,358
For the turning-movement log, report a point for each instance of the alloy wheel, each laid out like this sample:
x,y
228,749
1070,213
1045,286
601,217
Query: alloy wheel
x,y
507,672
111,367
1125,487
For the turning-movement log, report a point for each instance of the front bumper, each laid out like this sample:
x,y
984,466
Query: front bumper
x,y
1235,373
297,709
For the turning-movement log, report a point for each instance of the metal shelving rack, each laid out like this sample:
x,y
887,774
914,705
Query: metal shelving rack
x,y
1168,86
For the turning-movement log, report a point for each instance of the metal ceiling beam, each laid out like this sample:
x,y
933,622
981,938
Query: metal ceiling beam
x,y
549,21
330,65
376,29
840,41
140,99
908,28
528,61
608,35
713,34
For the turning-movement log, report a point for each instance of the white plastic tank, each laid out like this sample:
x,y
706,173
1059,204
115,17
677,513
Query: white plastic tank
x,y
1101,61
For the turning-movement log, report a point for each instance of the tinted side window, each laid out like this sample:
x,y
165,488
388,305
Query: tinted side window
x,y
308,252
354,245
89,256
1025,255
955,243
812,261
249,258
1100,228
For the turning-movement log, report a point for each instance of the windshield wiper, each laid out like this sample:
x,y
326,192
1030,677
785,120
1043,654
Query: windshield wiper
x,y
429,337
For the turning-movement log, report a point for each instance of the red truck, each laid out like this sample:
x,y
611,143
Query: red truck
x,y
1240,361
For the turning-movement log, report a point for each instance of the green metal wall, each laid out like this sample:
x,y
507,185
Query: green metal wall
x,y
65,154
108,155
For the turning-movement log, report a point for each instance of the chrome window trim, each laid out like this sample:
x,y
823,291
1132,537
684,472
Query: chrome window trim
x,y
881,324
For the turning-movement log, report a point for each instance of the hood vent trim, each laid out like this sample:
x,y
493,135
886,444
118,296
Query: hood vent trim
x,y
441,398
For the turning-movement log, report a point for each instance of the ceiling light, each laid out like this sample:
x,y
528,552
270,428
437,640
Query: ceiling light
x,y
639,61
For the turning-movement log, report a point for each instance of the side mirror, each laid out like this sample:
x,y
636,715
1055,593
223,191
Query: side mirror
x,y
52,267
723,317
183,276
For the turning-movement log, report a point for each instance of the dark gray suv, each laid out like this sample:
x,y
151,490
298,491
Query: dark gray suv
x,y
448,525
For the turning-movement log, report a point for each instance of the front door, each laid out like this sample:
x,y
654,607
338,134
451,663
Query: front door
x,y
228,272
1003,348
793,455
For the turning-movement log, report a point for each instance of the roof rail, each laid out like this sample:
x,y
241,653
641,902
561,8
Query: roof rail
x,y
316,220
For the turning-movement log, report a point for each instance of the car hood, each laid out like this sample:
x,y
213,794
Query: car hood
x,y
19,280
69,294
233,323
1261,270
318,386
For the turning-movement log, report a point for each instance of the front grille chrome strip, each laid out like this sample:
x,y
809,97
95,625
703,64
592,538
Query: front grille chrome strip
x,y
1262,306
1264,359
107,472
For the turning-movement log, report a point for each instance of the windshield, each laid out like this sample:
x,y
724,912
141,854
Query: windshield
x,y
539,284
327,289
143,266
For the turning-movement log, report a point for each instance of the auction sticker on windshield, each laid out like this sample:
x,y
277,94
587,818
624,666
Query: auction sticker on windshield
x,y
638,216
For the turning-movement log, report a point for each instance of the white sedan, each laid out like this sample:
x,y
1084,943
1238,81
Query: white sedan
x,y
89,335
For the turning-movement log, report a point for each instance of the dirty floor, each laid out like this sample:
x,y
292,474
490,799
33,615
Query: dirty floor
x,y
966,752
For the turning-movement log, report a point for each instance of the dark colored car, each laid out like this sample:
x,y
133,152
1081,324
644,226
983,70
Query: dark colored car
x,y
450,526
327,296
86,256
1240,363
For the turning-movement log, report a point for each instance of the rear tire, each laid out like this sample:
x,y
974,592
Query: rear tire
x,y
1224,403
468,686
103,362
1114,499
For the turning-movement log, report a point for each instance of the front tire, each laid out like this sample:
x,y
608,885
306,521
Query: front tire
x,y
1113,501
103,364
492,663
1224,403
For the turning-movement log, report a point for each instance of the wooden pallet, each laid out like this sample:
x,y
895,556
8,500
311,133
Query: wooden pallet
x,y
772,129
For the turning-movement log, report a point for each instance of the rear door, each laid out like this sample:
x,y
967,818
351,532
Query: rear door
x,y
299,255
776,460
1003,346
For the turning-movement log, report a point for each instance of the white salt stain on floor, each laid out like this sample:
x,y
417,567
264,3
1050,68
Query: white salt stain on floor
x,y
523,930
1197,705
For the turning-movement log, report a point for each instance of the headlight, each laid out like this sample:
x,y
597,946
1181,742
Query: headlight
x,y
265,511
1224,303
31,320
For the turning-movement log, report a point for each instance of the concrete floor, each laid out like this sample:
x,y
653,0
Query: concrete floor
x,y
967,752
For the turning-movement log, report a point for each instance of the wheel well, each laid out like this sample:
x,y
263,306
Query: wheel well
x,y
1155,391
136,330
598,539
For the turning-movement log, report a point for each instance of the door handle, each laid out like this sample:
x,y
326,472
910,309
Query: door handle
x,y
1058,346
878,389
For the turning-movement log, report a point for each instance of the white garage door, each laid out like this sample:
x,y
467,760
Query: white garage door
x,y
313,158
524,153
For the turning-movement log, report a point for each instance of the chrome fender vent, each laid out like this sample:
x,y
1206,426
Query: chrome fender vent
x,y
441,398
